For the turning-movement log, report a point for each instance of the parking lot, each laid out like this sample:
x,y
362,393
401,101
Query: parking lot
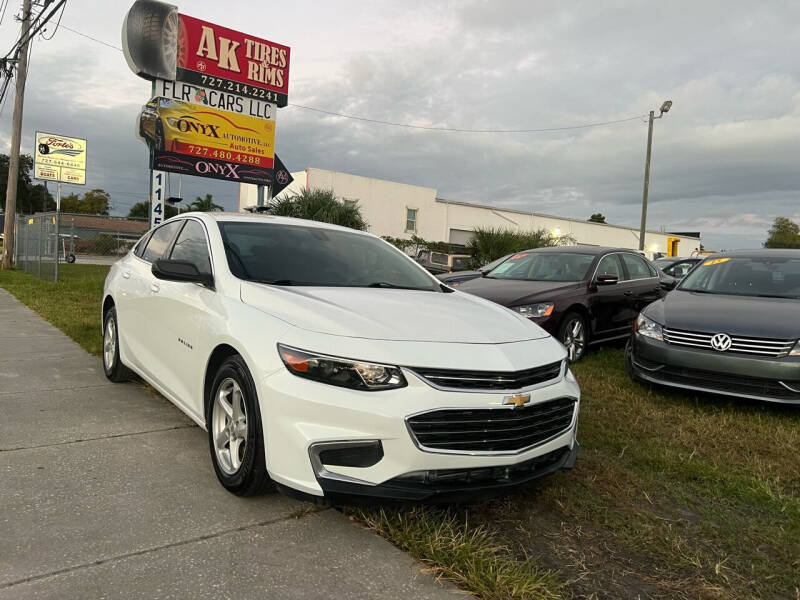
x,y
106,491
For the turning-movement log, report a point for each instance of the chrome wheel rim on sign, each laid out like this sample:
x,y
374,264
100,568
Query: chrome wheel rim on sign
x,y
110,344
229,426
574,339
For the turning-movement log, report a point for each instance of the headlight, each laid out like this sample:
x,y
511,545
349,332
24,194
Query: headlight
x,y
648,328
341,372
543,309
796,350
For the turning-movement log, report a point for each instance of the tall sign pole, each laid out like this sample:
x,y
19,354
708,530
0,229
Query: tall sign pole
x,y
16,137
58,227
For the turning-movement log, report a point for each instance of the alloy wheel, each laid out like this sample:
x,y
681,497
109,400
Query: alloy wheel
x,y
110,344
574,339
229,426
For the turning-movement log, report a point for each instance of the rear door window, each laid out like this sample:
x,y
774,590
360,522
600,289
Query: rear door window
x,y
159,241
637,267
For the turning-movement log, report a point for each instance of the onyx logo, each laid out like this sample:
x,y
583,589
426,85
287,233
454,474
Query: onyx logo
x,y
226,170
193,125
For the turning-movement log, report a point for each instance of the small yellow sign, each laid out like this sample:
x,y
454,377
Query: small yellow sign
x,y
60,158
715,261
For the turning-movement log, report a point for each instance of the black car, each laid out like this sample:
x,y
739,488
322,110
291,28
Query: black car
x,y
730,327
456,278
581,294
676,267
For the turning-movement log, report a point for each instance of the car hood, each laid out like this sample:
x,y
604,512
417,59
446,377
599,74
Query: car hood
x,y
512,292
737,315
387,314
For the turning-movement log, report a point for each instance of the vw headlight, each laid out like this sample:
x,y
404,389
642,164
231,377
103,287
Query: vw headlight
x,y
647,328
353,374
542,309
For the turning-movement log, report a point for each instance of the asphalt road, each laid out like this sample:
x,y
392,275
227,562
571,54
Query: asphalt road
x,y
107,491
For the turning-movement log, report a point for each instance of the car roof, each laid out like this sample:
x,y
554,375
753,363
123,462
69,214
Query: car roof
x,y
595,250
760,253
264,218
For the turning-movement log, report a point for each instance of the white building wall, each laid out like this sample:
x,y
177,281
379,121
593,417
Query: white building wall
x,y
384,203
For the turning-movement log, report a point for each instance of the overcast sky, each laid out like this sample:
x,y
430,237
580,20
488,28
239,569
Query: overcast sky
x,y
725,159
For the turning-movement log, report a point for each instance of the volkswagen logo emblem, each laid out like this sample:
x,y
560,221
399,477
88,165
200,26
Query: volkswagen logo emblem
x,y
721,342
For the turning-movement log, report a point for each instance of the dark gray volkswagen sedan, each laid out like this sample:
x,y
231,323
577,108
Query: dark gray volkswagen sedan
x,y
731,327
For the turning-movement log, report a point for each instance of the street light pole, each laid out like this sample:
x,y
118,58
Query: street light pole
x,y
664,109
646,179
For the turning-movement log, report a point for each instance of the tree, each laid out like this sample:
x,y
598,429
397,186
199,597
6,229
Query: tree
x,y
205,204
784,233
597,218
319,205
141,210
93,202
31,197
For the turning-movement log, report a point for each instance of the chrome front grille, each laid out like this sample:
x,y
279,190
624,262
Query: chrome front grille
x,y
739,344
489,380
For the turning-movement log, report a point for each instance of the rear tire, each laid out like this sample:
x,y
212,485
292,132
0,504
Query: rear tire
x,y
235,434
113,367
574,334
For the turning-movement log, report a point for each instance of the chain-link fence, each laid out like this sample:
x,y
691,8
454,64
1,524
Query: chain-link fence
x,y
85,239
36,245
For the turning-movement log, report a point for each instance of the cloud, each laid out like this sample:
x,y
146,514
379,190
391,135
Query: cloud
x,y
724,158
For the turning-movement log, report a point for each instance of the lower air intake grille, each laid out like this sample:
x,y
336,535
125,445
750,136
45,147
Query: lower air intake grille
x,y
492,429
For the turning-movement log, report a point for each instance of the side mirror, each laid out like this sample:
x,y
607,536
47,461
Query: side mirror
x,y
669,283
180,270
607,279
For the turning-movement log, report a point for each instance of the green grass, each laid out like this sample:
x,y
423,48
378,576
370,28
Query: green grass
x,y
673,496
72,304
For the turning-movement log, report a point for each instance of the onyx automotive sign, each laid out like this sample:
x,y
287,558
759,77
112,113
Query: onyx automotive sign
x,y
160,43
211,167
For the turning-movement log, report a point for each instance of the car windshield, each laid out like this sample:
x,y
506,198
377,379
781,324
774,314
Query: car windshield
x,y
312,256
544,266
746,276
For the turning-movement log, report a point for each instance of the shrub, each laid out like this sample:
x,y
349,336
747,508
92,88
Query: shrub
x,y
489,243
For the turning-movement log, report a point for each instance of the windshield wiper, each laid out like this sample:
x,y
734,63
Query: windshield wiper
x,y
276,281
386,284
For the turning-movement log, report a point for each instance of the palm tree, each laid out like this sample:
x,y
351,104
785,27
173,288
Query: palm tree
x,y
205,204
319,205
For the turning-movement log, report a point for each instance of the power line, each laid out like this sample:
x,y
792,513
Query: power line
x,y
408,125
52,35
94,39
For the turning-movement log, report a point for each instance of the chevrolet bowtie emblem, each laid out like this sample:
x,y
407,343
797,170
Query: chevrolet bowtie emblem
x,y
517,400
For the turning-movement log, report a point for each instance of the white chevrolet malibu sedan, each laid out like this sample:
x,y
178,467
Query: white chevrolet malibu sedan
x,y
327,362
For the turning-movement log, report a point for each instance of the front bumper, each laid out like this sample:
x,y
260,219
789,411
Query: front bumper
x,y
300,416
742,376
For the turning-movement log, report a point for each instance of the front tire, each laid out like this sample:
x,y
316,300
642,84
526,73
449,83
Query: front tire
x,y
235,434
112,364
574,334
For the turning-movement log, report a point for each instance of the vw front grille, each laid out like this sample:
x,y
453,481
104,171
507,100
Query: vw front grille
x,y
739,344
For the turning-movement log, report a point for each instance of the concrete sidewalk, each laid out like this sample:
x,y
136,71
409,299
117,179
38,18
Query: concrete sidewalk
x,y
107,491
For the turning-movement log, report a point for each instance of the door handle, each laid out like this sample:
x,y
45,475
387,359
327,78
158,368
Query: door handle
x,y
126,274
628,293
154,287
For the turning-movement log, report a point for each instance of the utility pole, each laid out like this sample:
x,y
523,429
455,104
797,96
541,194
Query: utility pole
x,y
16,137
667,104
646,179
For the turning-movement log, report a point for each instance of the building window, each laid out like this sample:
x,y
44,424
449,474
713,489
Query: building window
x,y
411,220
